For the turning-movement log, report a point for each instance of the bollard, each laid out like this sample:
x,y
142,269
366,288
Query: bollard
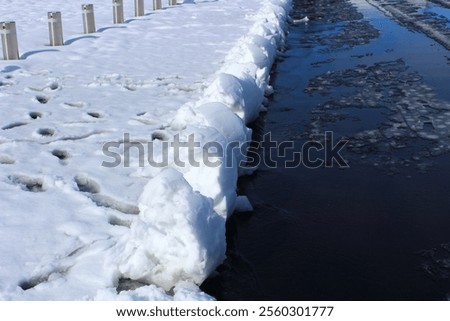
x,y
88,18
157,4
172,2
55,29
118,11
139,8
9,40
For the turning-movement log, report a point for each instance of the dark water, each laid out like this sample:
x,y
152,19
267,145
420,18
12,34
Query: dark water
x,y
380,229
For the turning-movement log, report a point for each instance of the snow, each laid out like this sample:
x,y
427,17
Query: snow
x,y
176,224
71,226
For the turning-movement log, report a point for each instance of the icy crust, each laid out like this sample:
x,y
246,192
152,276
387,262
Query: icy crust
x,y
74,230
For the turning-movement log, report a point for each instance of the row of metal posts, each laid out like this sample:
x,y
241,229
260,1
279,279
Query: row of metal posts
x,y
9,35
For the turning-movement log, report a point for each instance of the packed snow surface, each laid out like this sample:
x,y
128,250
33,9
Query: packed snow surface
x,y
79,219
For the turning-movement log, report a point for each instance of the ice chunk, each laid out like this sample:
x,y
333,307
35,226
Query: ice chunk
x,y
300,21
243,204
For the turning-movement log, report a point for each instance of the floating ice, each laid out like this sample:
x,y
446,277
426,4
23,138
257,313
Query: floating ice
x,y
413,110
300,21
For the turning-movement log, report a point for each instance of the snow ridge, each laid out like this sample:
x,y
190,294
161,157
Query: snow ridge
x,y
192,225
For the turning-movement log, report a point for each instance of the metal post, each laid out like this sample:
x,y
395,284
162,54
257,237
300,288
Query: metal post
x,y
118,11
139,8
172,2
88,18
9,40
157,4
55,29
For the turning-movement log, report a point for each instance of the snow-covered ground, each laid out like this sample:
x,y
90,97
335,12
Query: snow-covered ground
x,y
72,225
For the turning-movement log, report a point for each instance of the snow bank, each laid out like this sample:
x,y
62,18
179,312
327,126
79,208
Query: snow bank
x,y
72,229
178,237
243,80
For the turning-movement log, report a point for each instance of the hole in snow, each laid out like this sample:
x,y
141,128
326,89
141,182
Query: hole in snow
x,y
87,185
117,221
42,99
126,284
53,86
14,125
61,154
6,160
95,115
33,282
35,115
46,131
29,184
160,135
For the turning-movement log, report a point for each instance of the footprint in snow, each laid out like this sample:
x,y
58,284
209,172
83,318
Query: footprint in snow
x,y
160,135
46,132
28,183
5,83
6,160
62,155
95,115
53,86
35,115
39,279
118,221
42,99
90,186
14,125
33,282
87,185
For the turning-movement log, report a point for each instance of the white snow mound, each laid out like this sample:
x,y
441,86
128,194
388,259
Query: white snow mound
x,y
177,236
